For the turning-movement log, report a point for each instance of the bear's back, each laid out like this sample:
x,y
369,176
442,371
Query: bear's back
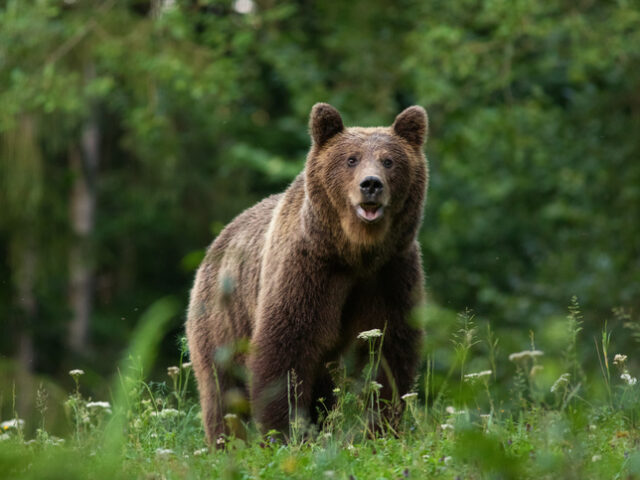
x,y
228,278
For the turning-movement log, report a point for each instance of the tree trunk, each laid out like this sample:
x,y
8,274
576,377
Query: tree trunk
x,y
21,167
24,256
26,278
25,285
84,167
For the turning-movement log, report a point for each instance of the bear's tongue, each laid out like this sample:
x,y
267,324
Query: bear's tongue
x,y
369,212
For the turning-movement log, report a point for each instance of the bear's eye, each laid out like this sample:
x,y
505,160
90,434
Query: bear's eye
x,y
352,161
387,163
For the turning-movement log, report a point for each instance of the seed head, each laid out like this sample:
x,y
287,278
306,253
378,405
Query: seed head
x,y
560,382
471,377
515,357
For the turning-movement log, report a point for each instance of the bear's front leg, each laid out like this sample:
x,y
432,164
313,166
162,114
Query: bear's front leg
x,y
298,322
386,302
402,291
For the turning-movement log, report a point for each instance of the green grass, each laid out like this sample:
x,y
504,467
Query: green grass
x,y
542,417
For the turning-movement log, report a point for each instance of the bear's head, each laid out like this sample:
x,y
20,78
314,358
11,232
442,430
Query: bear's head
x,y
373,179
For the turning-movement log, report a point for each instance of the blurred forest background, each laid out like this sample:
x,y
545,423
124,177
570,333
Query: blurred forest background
x,y
132,131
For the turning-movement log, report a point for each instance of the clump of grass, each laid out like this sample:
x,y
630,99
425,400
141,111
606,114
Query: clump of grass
x,y
574,327
464,339
481,434
526,363
359,409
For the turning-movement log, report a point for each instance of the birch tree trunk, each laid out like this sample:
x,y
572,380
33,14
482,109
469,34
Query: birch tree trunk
x,y
83,163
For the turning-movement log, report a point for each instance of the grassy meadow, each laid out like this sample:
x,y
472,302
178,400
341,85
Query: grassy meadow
x,y
487,414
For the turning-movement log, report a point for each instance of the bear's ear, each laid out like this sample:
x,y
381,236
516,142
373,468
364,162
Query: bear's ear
x,y
412,125
324,123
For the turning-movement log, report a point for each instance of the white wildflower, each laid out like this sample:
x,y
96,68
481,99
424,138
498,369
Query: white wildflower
x,y
166,413
243,7
470,377
186,365
230,416
15,423
560,382
596,458
336,390
409,396
375,386
164,452
201,451
55,441
619,359
173,371
514,357
485,416
446,426
629,380
76,372
367,334
452,411
100,406
447,459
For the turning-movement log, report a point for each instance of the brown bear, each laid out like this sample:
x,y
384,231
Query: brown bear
x,y
302,272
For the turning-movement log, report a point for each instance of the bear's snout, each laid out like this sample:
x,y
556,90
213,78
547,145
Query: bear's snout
x,y
372,199
371,188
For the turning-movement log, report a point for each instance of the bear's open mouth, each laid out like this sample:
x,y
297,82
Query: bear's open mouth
x,y
370,212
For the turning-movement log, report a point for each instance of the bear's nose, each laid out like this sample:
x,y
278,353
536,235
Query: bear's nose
x,y
371,186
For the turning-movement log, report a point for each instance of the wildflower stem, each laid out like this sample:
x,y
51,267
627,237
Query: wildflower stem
x,y
604,370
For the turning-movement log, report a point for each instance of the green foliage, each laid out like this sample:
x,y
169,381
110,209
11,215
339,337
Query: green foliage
x,y
530,108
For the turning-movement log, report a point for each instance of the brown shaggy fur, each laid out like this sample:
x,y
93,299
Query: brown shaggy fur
x,y
301,273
